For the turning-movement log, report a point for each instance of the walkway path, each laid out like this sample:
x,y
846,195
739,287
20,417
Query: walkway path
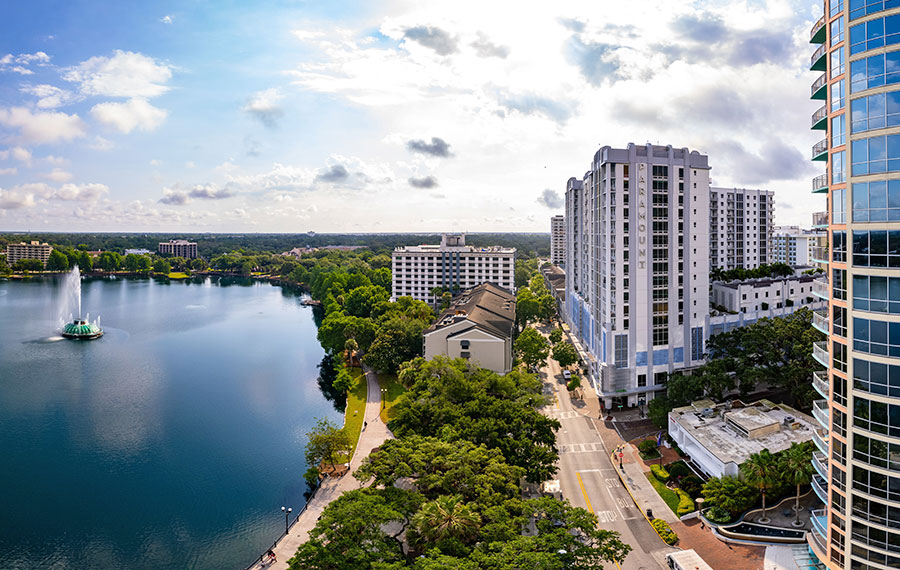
x,y
371,437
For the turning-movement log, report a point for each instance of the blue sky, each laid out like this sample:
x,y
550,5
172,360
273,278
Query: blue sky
x,y
383,115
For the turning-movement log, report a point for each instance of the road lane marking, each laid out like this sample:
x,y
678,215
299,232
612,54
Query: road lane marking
x,y
584,492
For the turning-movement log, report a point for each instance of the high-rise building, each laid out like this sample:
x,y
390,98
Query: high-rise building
x,y
33,250
179,248
793,246
740,227
452,266
558,240
637,268
858,460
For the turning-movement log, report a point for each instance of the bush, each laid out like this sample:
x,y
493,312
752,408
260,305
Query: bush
x,y
678,469
574,383
647,447
718,515
665,531
685,503
659,473
692,485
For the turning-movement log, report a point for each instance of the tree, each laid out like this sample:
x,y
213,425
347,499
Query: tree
x,y
85,261
109,261
4,268
131,262
325,443
796,468
532,348
57,261
359,301
351,346
446,517
565,354
555,335
26,265
344,382
730,493
198,264
398,339
761,471
143,264
162,266
246,268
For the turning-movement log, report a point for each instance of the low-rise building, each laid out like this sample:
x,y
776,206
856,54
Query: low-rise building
x,y
752,295
179,248
140,251
34,250
478,326
720,437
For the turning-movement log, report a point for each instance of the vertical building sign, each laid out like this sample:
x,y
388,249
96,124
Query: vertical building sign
x,y
642,215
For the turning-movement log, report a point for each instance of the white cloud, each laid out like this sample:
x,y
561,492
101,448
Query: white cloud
x,y
125,74
8,171
155,163
42,127
19,63
18,153
14,199
263,106
166,19
80,192
132,114
101,143
58,175
49,96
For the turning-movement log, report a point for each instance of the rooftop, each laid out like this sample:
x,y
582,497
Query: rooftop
x,y
487,307
765,425
764,281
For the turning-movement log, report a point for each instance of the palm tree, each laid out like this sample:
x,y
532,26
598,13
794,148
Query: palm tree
x,y
446,517
351,346
797,469
760,470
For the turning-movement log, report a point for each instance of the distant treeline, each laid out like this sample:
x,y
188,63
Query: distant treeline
x,y
210,245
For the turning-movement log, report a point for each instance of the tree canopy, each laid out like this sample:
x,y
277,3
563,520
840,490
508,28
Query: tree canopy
x,y
532,348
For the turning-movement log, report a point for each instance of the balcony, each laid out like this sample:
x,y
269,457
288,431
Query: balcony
x,y
820,119
820,463
820,486
816,540
819,254
820,288
820,321
820,150
819,89
820,438
820,353
819,521
819,61
820,412
819,220
817,34
820,383
820,184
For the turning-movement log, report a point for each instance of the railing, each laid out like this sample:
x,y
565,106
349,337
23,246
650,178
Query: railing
x,y
820,114
820,321
283,534
820,438
820,353
820,219
819,83
819,519
820,181
820,463
820,383
820,412
816,27
819,148
820,486
816,55
820,254
820,288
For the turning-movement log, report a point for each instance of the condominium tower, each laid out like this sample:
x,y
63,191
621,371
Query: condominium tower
x,y
558,240
637,267
858,461
451,266
34,250
179,248
740,227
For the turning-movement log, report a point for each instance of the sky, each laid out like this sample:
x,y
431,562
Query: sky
x,y
385,116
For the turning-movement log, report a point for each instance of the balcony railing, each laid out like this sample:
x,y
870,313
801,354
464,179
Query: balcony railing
x,y
820,254
820,353
819,117
820,486
820,438
820,150
820,463
817,90
819,519
820,383
820,288
820,321
817,61
820,412
817,33
820,219
820,184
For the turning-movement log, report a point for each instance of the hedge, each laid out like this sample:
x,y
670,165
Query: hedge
x,y
685,503
659,473
678,469
665,531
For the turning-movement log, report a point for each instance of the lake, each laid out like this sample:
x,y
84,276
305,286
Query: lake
x,y
169,443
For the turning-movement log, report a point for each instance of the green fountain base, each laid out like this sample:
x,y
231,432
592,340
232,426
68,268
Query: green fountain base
x,y
81,330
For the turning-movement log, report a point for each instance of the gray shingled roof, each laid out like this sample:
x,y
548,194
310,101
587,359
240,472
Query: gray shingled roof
x,y
487,306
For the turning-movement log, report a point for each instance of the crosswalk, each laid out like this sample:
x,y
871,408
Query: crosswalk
x,y
556,414
581,447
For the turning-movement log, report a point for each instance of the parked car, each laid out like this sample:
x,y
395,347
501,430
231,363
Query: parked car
x,y
567,375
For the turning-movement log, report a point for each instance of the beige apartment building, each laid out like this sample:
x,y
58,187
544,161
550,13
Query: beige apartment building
x,y
33,250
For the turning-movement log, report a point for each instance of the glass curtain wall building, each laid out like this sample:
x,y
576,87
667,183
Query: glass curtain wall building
x,y
857,55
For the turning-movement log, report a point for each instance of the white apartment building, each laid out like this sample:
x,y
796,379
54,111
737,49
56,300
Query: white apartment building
x,y
637,268
558,240
179,248
740,227
752,295
452,265
793,246
33,250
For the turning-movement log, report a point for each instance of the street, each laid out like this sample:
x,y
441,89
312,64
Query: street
x,y
588,478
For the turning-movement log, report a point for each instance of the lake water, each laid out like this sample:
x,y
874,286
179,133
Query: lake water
x,y
171,442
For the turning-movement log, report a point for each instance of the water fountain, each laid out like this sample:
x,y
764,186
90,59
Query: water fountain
x,y
77,328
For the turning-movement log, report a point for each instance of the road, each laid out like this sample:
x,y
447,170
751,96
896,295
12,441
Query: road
x,y
588,478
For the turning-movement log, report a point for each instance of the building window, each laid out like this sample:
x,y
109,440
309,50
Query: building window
x,y
876,452
660,378
870,72
697,343
621,351
877,294
837,6
872,34
876,337
839,284
837,95
874,112
839,321
641,380
876,248
839,356
839,246
837,131
876,201
860,8
837,62
464,344
839,167
837,33
878,417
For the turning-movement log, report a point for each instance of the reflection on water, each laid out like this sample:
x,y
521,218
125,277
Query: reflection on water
x,y
169,443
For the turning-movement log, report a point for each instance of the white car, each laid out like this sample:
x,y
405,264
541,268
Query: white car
x,y
567,375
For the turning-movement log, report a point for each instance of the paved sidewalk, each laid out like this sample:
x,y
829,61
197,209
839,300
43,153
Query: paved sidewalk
x,y
643,492
371,437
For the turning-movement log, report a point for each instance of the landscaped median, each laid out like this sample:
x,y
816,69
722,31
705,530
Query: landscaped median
x,y
355,413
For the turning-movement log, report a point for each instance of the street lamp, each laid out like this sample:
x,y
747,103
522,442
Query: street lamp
x,y
384,392
287,513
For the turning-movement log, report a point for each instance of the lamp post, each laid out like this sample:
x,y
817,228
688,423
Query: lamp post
x,y
287,514
383,397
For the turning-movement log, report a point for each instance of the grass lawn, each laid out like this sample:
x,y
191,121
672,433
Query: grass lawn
x,y
394,389
178,275
356,407
668,495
